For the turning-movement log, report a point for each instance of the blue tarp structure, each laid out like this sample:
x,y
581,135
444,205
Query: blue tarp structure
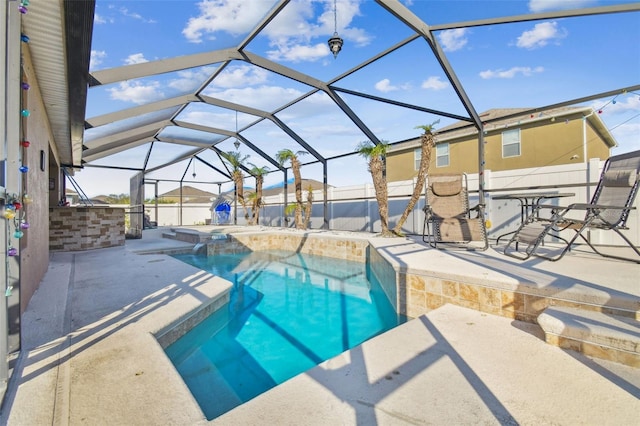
x,y
222,213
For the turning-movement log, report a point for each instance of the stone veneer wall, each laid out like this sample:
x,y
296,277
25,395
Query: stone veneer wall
x,y
420,293
386,276
416,292
354,249
85,228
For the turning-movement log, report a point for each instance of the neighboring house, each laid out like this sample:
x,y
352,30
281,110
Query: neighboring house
x,y
71,196
291,188
512,141
100,199
189,195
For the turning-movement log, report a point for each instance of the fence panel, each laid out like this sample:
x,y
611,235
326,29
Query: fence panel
x,y
354,208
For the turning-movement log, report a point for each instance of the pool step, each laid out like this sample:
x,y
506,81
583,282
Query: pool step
x,y
189,236
592,333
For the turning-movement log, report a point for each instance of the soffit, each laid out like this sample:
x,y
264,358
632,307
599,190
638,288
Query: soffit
x,y
59,34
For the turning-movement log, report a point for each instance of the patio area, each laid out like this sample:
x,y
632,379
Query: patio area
x,y
90,355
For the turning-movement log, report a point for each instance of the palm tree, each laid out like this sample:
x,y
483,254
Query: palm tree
x,y
258,173
375,154
308,207
427,143
236,161
282,157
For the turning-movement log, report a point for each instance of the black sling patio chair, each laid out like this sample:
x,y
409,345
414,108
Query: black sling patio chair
x,y
608,210
448,222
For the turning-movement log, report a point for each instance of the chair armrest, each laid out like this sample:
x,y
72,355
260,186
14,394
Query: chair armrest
x,y
601,207
583,206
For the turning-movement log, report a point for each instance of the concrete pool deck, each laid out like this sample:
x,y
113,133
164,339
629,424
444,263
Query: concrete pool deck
x,y
90,356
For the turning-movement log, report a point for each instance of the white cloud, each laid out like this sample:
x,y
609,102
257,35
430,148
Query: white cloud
x,y
241,76
293,30
453,40
98,19
190,80
621,114
212,119
124,11
136,92
262,97
627,134
97,56
540,35
291,34
619,104
434,83
385,86
299,52
233,16
537,6
136,58
510,73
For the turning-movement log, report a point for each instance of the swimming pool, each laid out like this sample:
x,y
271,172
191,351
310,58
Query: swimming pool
x,y
287,313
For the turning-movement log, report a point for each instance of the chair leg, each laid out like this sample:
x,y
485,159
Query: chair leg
x,y
427,235
611,256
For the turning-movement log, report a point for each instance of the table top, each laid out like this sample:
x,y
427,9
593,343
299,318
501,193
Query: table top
x,y
533,195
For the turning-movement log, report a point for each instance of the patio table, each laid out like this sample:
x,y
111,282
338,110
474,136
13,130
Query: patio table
x,y
528,203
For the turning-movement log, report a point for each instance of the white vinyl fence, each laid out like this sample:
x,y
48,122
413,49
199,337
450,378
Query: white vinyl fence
x,y
354,208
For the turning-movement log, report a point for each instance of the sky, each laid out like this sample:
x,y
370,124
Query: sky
x,y
517,65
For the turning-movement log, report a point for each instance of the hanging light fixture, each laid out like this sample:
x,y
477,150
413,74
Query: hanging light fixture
x,y
194,169
236,143
335,42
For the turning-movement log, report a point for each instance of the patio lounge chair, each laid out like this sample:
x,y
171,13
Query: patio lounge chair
x,y
608,210
448,222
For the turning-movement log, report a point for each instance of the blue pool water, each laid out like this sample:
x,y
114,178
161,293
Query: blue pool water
x,y
288,312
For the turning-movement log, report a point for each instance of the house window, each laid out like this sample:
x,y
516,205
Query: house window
x,y
511,143
442,154
417,156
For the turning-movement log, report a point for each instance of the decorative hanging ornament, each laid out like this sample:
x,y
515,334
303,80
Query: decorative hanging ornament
x,y
26,198
24,38
17,205
23,169
25,86
12,251
9,213
25,2
23,9
24,225
18,234
25,113
25,144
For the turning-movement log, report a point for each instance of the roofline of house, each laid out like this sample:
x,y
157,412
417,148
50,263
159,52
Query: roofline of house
x,y
588,114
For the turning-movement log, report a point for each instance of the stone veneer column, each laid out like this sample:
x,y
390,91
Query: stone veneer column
x,y
85,228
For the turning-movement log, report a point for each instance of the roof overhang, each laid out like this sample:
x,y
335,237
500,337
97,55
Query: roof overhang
x,y
60,34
